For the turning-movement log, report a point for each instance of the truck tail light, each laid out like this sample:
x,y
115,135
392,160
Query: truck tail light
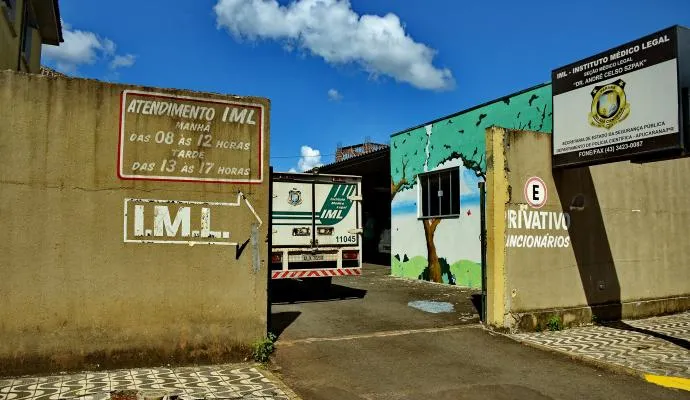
x,y
276,258
303,231
350,254
324,231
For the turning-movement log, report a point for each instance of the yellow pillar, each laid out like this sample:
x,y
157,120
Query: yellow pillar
x,y
497,196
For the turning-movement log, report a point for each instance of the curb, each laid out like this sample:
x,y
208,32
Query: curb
x,y
277,381
607,366
669,383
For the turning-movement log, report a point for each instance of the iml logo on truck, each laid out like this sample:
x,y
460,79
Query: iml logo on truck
x,y
337,205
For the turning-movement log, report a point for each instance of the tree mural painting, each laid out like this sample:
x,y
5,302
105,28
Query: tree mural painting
x,y
461,138
420,163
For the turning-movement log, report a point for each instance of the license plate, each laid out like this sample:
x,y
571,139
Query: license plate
x,y
313,257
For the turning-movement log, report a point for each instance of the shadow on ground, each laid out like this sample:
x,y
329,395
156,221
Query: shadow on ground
x,y
289,291
626,327
292,291
477,302
281,320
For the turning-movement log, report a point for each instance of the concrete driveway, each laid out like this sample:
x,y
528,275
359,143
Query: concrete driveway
x,y
374,302
366,340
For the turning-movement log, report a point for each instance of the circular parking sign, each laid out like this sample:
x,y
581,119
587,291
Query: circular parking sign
x,y
535,192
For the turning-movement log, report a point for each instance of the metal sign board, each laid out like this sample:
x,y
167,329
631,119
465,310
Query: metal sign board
x,y
618,104
180,138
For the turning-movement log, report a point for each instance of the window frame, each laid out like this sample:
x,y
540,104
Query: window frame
x,y
29,25
441,174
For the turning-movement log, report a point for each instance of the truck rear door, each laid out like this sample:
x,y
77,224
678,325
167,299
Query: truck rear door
x,y
337,216
292,215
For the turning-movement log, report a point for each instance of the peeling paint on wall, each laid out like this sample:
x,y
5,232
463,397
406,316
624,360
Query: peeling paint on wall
x,y
171,222
255,248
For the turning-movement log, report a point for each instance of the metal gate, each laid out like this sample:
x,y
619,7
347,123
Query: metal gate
x,y
482,213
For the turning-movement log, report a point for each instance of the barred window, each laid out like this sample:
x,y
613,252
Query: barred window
x,y
439,193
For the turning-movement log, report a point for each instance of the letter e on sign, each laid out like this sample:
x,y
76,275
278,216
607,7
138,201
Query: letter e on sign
x,y
535,192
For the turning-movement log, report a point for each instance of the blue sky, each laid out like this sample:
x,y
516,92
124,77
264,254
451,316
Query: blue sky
x,y
338,72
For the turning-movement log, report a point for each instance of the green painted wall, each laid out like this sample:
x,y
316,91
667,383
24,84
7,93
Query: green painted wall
x,y
453,141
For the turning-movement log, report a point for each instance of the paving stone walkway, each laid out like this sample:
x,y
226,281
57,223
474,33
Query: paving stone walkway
x,y
184,383
656,346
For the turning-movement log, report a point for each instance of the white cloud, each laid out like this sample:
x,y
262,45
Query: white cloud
x,y
123,61
309,159
334,95
292,170
108,47
332,30
83,47
78,48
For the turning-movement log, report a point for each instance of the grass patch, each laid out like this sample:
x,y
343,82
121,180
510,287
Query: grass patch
x,y
554,323
262,349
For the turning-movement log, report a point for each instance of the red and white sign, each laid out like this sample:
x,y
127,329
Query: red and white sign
x,y
535,192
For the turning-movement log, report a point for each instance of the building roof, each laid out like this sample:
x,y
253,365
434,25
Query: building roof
x,y
356,160
48,18
356,150
51,72
472,108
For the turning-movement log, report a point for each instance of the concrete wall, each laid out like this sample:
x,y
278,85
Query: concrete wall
x,y
454,141
608,242
90,278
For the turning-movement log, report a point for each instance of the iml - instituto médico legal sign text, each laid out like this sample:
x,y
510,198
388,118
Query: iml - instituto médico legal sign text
x,y
617,104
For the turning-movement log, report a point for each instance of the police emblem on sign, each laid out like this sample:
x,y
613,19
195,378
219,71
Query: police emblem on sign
x,y
295,197
609,105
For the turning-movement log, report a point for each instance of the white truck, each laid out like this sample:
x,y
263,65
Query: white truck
x,y
316,226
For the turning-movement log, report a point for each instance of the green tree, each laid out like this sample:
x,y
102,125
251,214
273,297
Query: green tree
x,y
418,163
